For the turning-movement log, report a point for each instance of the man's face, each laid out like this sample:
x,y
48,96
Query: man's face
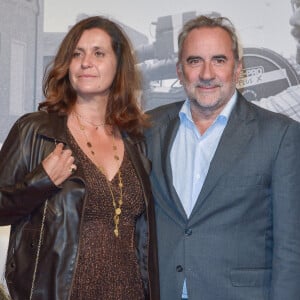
x,y
207,68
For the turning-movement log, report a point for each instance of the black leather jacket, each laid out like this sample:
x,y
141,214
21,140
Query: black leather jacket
x,y
46,220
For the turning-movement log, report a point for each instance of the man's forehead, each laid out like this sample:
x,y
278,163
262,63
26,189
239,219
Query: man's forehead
x,y
204,43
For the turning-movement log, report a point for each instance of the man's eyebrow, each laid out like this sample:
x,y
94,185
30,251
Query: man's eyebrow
x,y
197,57
222,56
193,57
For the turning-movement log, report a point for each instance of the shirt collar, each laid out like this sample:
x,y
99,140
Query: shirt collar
x,y
185,111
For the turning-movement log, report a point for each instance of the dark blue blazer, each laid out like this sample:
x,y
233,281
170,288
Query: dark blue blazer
x,y
242,239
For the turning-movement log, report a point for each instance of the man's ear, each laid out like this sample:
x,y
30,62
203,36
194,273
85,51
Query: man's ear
x,y
239,68
179,72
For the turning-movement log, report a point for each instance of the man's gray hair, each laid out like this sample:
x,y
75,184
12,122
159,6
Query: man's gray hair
x,y
211,22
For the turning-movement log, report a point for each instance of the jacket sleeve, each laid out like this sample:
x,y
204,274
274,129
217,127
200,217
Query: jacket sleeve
x,y
23,185
286,217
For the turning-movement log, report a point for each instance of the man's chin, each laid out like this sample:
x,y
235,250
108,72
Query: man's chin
x,y
207,103
208,108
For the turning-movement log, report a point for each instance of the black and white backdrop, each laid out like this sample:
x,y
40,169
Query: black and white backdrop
x,y
31,30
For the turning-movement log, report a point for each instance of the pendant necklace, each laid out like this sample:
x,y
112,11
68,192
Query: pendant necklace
x,y
117,205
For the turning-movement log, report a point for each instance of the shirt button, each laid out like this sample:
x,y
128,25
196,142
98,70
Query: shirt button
x,y
188,231
179,268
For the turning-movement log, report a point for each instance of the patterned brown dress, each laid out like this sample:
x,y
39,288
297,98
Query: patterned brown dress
x,y
107,266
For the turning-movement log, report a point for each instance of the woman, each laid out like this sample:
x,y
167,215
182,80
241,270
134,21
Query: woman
x,y
74,182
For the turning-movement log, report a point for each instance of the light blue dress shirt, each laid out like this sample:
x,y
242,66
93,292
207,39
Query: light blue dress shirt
x,y
191,155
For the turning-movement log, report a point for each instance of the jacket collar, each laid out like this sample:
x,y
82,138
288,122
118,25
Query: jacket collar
x,y
58,129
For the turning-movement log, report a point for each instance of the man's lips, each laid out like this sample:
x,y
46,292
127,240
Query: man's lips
x,y
207,88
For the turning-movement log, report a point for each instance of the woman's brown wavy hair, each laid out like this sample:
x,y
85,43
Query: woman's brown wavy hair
x,y
123,109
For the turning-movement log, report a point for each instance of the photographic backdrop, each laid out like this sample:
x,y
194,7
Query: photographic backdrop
x,y
31,30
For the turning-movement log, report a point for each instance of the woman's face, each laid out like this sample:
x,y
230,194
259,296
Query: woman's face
x,y
93,65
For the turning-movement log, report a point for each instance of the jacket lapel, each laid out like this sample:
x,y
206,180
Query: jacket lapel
x,y
167,169
161,144
233,142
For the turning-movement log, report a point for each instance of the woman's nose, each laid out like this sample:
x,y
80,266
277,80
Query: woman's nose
x,y
86,62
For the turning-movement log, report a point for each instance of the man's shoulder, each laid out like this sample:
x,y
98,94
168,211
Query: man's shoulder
x,y
262,114
162,114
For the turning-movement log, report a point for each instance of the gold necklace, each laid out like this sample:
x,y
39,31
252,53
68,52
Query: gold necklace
x,y
116,204
88,121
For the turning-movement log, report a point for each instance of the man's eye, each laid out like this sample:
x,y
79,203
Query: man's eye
x,y
194,62
219,61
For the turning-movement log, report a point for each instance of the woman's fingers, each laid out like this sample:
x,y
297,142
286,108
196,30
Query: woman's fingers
x,y
59,164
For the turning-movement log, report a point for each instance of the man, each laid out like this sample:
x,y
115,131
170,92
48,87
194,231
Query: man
x,y
226,181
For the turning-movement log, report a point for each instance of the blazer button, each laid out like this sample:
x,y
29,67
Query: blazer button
x,y
179,268
188,231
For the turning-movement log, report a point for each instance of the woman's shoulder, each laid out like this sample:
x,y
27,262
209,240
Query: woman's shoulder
x,y
38,118
40,122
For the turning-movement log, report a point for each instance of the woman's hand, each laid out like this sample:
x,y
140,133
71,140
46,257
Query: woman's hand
x,y
59,164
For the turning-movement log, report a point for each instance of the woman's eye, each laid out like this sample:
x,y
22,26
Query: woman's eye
x,y
99,54
76,54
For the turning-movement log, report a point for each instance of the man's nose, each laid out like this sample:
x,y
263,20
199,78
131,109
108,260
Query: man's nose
x,y
207,71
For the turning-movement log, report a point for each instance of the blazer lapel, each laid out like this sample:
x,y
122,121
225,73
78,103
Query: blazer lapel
x,y
166,197
233,141
167,169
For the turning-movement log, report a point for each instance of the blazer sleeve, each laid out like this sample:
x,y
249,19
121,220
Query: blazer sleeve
x,y
21,189
286,217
